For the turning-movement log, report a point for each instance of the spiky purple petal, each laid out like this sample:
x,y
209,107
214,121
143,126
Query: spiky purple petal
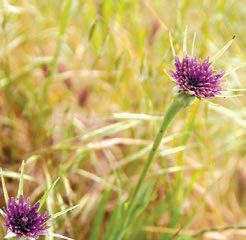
x,y
23,219
197,78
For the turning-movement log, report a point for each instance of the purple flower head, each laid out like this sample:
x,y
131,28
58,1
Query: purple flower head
x,y
197,78
23,220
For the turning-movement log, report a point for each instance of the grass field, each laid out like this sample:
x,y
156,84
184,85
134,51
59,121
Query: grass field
x,y
84,85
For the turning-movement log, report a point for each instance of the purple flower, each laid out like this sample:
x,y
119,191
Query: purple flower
x,y
23,220
197,78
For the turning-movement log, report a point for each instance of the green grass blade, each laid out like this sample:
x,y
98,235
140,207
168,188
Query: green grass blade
x,y
46,194
99,217
21,181
110,129
56,215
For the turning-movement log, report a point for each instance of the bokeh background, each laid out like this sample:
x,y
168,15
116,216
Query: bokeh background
x,y
82,91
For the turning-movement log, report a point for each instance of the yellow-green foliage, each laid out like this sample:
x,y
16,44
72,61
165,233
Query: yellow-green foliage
x,y
83,87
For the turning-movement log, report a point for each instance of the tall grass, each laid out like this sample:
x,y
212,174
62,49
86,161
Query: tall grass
x,y
83,88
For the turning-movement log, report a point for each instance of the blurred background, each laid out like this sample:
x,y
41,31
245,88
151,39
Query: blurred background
x,y
83,88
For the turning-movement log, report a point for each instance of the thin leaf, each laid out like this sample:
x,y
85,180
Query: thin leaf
x,y
172,150
49,200
32,158
234,69
64,211
57,236
95,230
137,155
193,44
5,192
110,129
46,194
15,175
136,116
21,181
229,113
96,179
1,212
92,29
237,89
171,43
222,51
185,40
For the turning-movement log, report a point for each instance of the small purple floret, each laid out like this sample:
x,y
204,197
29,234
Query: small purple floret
x,y
197,78
23,219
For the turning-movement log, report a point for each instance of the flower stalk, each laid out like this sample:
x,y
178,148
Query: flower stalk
x,y
180,101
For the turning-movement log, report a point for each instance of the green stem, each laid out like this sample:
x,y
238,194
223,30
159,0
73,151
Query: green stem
x,y
169,116
179,101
